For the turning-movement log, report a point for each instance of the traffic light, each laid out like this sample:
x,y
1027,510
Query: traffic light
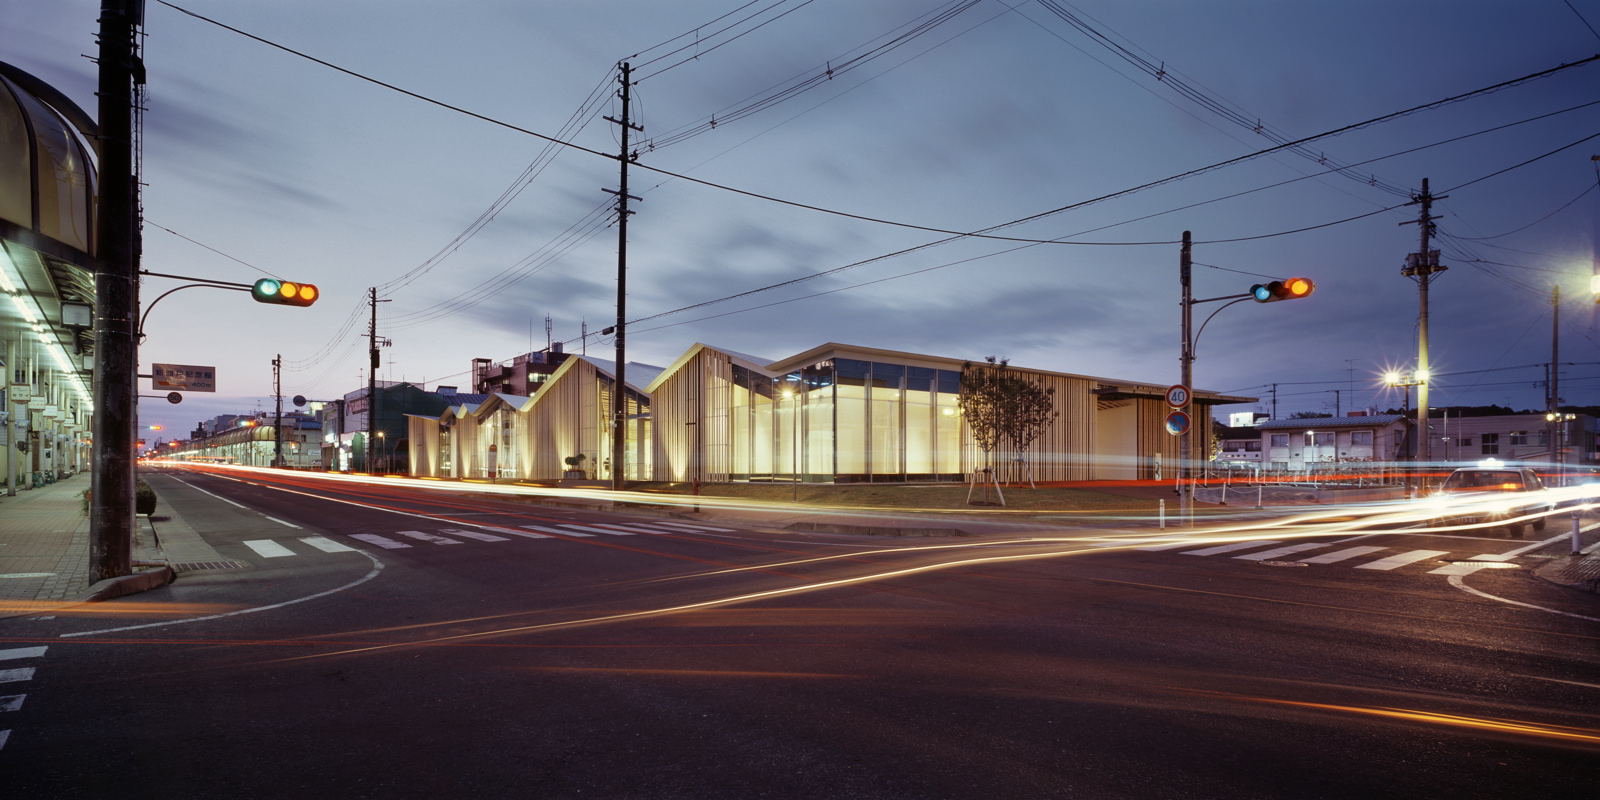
x,y
1291,289
287,293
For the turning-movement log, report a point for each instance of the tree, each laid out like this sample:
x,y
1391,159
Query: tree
x,y
1006,412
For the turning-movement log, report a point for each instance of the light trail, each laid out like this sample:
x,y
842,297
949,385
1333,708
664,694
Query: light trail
x,y
1583,736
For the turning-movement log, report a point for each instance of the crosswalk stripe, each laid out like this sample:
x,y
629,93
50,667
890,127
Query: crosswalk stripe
x,y
427,537
1460,568
514,532
1402,559
16,675
480,536
557,531
327,545
1280,552
634,528
381,541
266,548
22,652
694,527
11,702
591,529
1341,555
1226,548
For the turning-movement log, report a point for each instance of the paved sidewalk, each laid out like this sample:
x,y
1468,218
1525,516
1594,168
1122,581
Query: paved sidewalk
x,y
44,550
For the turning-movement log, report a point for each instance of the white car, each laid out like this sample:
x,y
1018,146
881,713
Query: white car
x,y
1493,496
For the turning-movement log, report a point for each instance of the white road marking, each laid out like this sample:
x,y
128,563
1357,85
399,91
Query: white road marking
x,y
281,522
588,529
633,528
11,702
267,548
327,545
1340,555
4,735
1226,548
551,530
16,675
1456,581
377,568
1402,559
1460,568
1517,552
22,652
694,527
427,537
1280,552
381,541
482,537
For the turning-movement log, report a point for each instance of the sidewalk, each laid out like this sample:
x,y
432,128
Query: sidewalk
x,y
44,550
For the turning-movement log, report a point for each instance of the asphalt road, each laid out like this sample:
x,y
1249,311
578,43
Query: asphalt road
x,y
389,643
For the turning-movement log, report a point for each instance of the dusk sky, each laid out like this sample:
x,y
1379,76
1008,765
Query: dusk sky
x,y
955,116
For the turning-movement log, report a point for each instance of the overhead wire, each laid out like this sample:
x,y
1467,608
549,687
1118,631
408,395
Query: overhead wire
x,y
984,233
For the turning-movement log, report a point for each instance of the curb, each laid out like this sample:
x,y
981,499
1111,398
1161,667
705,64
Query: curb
x,y
129,584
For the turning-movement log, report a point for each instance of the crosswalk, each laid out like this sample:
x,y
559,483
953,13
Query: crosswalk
x,y
482,534
1370,557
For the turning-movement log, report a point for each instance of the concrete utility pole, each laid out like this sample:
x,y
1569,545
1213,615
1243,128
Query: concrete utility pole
x,y
1423,265
619,393
1553,402
277,421
1186,375
372,380
111,512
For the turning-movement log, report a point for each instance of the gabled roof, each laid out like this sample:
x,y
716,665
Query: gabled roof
x,y
1313,423
638,375
747,361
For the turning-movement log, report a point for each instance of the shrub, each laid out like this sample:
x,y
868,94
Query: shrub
x,y
144,498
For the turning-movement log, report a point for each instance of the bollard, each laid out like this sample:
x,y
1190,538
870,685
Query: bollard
x,y
1576,544
1163,514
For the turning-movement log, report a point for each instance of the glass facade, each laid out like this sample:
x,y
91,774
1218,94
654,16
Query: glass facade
x,y
846,420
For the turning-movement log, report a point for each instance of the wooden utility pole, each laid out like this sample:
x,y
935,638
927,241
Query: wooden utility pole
x,y
619,393
111,511
1423,265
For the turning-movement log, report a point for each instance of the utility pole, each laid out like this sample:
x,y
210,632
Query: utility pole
x,y
1553,402
277,421
619,399
1423,265
372,380
111,512
1186,376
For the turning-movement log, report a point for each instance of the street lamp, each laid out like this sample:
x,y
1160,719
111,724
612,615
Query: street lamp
x,y
1559,424
1419,377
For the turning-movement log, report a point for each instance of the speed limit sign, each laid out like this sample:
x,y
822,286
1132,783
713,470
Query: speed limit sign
x,y
1178,396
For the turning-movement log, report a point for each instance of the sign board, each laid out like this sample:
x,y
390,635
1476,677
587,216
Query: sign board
x,y
1178,396
184,377
1177,423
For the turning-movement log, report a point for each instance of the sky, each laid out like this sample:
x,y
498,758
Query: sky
x,y
829,148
